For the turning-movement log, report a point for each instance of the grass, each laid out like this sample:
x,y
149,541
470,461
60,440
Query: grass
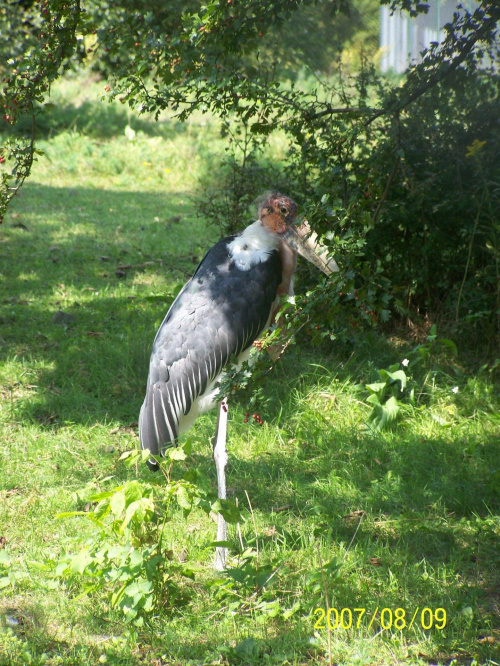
x,y
336,515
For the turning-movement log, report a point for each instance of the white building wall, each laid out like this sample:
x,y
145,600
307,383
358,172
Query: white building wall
x,y
403,38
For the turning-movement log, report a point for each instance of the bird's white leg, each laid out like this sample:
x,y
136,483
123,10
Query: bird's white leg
x,y
221,458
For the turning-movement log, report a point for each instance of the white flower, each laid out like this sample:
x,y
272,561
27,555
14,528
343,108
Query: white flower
x,y
405,362
454,389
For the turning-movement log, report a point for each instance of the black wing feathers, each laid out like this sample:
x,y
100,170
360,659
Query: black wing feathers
x,y
218,313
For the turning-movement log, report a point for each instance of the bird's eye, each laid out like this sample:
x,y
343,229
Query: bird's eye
x,y
283,210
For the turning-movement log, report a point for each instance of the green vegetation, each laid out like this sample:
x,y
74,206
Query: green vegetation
x,y
335,512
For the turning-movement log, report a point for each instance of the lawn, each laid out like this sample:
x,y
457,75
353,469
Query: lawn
x,y
391,528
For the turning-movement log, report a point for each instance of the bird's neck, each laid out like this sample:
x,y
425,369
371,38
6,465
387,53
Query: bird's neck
x,y
260,234
253,245
288,267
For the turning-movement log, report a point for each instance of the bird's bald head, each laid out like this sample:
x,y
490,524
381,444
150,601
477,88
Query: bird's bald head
x,y
277,212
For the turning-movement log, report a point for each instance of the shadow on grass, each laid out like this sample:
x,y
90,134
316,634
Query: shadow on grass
x,y
418,488
102,121
96,357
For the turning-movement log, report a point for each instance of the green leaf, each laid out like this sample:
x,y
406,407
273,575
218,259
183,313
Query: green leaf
x,y
272,608
442,422
291,611
69,514
104,495
5,559
137,510
61,569
228,509
188,445
384,415
248,650
394,376
126,454
80,562
136,558
262,128
118,595
139,587
176,453
449,343
117,503
4,582
373,399
183,498
134,490
133,457
375,387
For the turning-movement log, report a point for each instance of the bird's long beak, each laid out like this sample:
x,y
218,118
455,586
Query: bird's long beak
x,y
306,243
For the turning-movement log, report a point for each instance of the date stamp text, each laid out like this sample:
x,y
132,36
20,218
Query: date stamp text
x,y
381,618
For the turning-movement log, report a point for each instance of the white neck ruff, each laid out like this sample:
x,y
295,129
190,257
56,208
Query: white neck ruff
x,y
252,246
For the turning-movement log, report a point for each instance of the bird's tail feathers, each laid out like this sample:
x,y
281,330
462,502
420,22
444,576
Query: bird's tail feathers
x,y
158,428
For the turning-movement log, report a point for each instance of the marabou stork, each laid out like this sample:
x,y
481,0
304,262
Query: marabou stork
x,y
231,299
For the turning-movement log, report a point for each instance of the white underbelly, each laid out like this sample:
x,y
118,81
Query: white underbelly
x,y
208,400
